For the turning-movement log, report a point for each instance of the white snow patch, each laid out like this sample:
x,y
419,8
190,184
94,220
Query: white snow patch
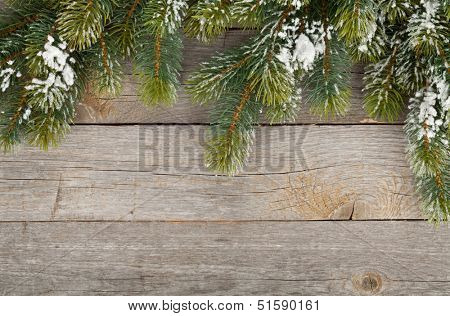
x,y
6,75
304,52
60,74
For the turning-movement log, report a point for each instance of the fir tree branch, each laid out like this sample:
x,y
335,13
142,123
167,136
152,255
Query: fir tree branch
x,y
19,26
123,26
81,22
208,19
397,11
328,83
354,19
215,76
157,56
228,148
246,94
131,11
248,13
9,134
428,29
427,131
236,66
284,17
104,54
327,51
11,57
390,68
158,63
15,118
383,99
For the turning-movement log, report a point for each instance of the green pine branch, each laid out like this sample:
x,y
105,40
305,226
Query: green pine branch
x,y
159,50
328,84
383,98
157,65
428,29
82,22
127,17
232,132
397,11
207,19
355,20
427,131
106,63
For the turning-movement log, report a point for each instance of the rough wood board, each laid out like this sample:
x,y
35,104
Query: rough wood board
x,y
256,258
128,109
157,173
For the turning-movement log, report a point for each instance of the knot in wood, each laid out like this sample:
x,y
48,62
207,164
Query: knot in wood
x,y
369,283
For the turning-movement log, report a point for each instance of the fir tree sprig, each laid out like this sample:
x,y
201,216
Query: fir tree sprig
x,y
232,132
427,130
124,25
107,65
159,49
82,22
51,50
383,98
207,19
328,83
428,29
245,80
355,20
396,11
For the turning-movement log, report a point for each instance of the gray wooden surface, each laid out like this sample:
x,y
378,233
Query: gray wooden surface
x,y
224,258
157,173
130,209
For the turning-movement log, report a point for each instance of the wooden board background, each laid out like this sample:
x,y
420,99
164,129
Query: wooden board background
x,y
125,206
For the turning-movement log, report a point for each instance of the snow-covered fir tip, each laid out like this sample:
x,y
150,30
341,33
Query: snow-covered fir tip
x,y
212,11
297,4
299,51
7,74
26,114
431,8
428,15
171,14
60,74
432,104
424,26
304,52
368,39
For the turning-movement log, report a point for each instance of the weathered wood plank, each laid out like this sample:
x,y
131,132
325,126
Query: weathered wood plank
x,y
157,173
128,109
265,258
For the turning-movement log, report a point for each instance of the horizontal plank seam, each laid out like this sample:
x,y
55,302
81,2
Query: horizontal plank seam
x,y
231,279
420,281
258,125
214,221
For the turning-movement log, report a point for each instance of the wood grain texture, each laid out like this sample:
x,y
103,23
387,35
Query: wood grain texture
x,y
131,210
265,258
157,173
128,109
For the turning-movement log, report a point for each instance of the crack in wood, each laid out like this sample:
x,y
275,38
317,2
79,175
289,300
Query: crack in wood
x,y
58,199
